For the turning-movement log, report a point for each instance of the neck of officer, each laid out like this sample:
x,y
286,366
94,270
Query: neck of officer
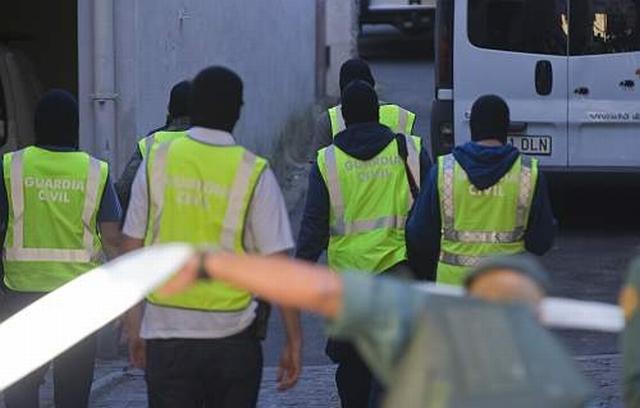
x,y
490,143
178,123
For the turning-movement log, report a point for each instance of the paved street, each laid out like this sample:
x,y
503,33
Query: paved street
x,y
595,243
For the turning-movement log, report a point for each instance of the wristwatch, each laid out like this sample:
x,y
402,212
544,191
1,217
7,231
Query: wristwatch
x,y
202,270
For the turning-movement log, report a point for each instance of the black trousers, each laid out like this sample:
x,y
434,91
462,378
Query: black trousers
x,y
72,370
209,373
356,385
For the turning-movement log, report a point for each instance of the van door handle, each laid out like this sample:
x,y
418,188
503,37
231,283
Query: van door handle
x,y
629,83
583,90
544,77
518,128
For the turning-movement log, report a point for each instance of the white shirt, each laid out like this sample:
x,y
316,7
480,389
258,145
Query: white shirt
x,y
267,231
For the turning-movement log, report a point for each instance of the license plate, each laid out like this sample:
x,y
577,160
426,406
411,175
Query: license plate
x,y
533,145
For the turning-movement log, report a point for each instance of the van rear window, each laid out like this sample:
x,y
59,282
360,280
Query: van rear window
x,y
604,27
588,27
530,26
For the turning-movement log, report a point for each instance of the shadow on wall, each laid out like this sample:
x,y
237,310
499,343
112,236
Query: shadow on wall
x,y
290,160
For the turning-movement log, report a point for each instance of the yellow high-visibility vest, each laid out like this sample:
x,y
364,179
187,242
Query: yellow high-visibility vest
x,y
480,224
52,235
396,118
200,194
370,201
145,144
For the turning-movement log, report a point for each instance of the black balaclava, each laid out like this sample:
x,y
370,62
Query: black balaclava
x,y
489,119
216,99
360,103
355,69
56,120
179,100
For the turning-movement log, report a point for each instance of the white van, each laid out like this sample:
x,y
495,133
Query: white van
x,y
569,70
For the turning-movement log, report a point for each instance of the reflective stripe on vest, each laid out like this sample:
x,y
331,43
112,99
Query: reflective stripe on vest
x,y
146,144
468,261
395,117
490,237
340,227
17,252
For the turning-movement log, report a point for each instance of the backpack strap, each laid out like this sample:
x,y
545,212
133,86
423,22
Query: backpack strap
x,y
404,154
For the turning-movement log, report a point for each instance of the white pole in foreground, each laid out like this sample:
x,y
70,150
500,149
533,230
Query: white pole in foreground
x,y
559,313
53,324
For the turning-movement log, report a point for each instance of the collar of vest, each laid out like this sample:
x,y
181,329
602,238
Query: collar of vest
x,y
364,141
54,148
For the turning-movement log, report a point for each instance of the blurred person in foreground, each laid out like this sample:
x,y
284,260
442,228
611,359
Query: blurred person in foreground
x,y
630,303
483,350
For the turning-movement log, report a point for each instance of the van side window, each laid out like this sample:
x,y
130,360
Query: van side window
x,y
604,26
528,26
4,119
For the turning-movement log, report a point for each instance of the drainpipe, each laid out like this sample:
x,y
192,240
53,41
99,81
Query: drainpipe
x,y
104,96
104,116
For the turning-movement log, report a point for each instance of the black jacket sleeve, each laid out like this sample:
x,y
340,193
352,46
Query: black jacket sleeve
x,y
313,238
423,230
541,228
109,210
123,185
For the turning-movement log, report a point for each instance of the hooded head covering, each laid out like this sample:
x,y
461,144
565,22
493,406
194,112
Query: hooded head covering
x,y
355,69
56,120
179,100
216,99
489,119
359,103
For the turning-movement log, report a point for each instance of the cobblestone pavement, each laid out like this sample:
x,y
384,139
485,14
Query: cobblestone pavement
x,y
605,372
315,390
118,386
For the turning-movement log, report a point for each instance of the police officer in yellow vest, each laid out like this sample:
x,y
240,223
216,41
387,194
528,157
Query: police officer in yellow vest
x,y
177,123
484,199
200,348
358,200
59,210
398,119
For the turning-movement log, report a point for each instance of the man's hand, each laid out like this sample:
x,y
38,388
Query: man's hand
x,y
137,349
283,281
137,352
290,366
183,279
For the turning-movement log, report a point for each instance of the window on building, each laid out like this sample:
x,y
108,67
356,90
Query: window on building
x,y
528,26
604,26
